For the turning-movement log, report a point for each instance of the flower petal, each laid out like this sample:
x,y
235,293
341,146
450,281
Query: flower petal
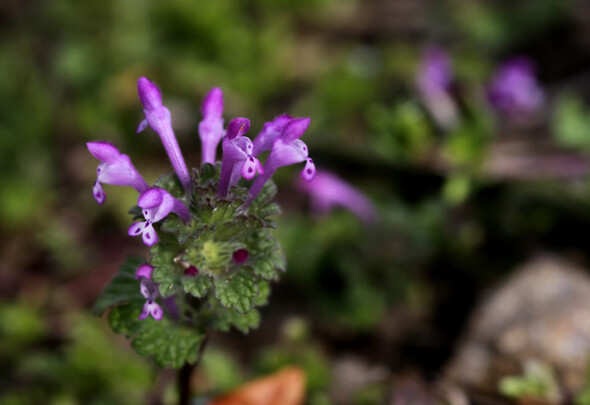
x,y
145,270
142,125
151,198
149,236
251,167
155,310
270,131
99,195
237,127
149,94
309,170
136,228
104,151
213,104
294,129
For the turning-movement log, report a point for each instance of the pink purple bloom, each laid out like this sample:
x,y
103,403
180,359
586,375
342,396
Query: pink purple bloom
x,y
114,168
270,131
514,89
434,79
158,118
287,149
156,204
211,127
149,290
328,191
237,158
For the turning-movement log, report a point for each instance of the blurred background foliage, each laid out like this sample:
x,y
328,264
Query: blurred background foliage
x,y
458,207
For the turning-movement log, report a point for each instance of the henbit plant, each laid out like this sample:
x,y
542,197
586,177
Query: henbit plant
x,y
212,254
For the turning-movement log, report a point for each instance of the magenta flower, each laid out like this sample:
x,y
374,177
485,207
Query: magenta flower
x,y
114,168
328,191
211,127
434,79
149,290
156,204
270,131
158,118
514,89
287,149
237,158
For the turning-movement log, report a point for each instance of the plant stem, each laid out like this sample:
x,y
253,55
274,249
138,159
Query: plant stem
x,y
184,376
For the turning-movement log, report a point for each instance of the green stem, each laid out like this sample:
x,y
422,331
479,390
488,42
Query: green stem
x,y
184,376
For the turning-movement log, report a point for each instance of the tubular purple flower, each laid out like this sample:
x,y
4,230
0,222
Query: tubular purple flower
x,y
145,270
287,149
433,80
156,204
211,127
328,191
158,118
514,89
149,290
114,168
237,156
270,131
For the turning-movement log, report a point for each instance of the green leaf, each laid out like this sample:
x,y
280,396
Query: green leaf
x,y
166,272
226,318
245,322
168,343
267,257
196,286
237,291
124,319
122,288
262,298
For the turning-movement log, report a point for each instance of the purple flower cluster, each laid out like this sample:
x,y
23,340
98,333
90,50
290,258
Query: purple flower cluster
x,y
240,156
513,89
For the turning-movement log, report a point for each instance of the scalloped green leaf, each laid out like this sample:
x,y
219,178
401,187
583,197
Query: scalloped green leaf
x,y
166,272
237,291
122,288
267,257
264,292
124,319
196,286
245,322
169,344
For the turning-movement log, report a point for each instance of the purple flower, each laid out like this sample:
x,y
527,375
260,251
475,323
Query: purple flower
x,y
158,118
287,149
114,168
327,191
237,156
211,127
514,89
434,79
156,204
149,290
270,131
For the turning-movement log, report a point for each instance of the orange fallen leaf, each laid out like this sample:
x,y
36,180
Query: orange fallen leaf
x,y
285,387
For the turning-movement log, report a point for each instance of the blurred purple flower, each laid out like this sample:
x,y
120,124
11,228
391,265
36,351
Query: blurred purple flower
x,y
211,127
237,156
114,168
158,118
434,79
156,204
149,290
514,89
328,191
286,149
